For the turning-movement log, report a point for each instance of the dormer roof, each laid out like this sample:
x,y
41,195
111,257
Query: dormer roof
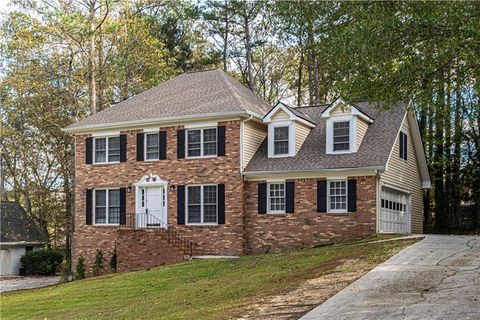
x,y
294,113
354,110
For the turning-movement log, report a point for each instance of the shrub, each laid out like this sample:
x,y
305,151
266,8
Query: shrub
x,y
98,265
80,274
42,262
113,261
65,270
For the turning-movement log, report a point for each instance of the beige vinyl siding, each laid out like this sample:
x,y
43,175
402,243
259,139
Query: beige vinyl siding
x,y
280,115
301,133
362,127
340,109
253,135
406,175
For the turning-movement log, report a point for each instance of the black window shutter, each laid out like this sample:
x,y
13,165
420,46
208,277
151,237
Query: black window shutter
x,y
181,144
162,147
123,206
290,197
140,146
352,195
123,148
221,203
221,141
262,198
401,145
88,206
405,146
322,196
180,204
89,150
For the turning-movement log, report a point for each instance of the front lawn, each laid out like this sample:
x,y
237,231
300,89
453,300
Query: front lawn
x,y
199,289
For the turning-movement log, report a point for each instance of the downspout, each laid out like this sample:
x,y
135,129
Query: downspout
x,y
377,199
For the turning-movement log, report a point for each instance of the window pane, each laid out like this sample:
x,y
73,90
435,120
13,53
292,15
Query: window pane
x,y
277,196
100,149
194,214
341,136
210,142
114,198
100,198
194,195
281,133
210,194
210,213
100,215
338,195
193,138
152,146
114,149
100,210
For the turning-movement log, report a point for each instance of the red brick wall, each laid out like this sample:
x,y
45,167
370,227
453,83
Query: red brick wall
x,y
142,249
224,239
306,227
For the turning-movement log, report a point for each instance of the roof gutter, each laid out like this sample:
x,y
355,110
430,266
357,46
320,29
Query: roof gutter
x,y
159,121
320,172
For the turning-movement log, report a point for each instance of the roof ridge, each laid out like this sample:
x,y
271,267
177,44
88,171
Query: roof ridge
x,y
198,71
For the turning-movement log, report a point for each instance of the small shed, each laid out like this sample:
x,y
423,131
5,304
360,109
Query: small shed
x,y
19,234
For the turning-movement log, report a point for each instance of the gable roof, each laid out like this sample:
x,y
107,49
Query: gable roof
x,y
17,226
373,152
210,92
295,113
355,110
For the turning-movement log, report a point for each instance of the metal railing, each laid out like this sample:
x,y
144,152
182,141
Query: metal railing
x,y
148,221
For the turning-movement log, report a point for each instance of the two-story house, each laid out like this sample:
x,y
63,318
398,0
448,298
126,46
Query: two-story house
x,y
199,165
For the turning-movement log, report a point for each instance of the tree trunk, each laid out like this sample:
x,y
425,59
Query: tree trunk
x,y
248,49
438,168
91,59
299,79
225,38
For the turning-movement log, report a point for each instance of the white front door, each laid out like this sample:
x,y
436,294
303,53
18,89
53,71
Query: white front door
x,y
394,211
152,207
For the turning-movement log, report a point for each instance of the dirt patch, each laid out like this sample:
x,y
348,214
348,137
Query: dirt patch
x,y
311,293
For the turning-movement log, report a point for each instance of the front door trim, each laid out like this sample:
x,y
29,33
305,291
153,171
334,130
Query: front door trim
x,y
150,180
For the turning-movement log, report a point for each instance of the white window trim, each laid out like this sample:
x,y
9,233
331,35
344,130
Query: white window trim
x,y
201,205
346,195
106,207
106,150
201,143
353,133
269,211
291,138
145,146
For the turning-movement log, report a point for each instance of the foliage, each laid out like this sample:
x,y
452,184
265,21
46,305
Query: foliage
x,y
80,269
42,262
198,289
113,261
66,270
98,264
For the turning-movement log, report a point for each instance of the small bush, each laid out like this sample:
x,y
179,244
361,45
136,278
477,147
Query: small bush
x,y
80,274
98,265
65,270
42,262
113,261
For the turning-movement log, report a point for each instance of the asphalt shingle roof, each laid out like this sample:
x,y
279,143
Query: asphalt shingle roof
x,y
374,149
189,94
16,226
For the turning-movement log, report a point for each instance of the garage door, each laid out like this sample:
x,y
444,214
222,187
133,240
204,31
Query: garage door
x,y
4,262
394,212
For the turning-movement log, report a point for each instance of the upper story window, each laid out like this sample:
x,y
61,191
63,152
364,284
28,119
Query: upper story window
x,y
202,204
337,196
107,206
403,145
280,142
276,197
152,151
107,149
341,136
202,142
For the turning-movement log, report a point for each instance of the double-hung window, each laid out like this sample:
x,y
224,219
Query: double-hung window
x,y
107,206
107,149
276,197
280,140
403,145
341,136
202,204
337,196
202,142
152,146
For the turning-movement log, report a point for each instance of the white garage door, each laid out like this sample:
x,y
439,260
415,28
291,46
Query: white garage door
x,y
394,212
4,262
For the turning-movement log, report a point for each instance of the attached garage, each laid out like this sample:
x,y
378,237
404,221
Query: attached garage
x,y
395,211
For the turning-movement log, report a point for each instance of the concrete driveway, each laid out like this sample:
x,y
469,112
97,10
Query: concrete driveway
x,y
436,278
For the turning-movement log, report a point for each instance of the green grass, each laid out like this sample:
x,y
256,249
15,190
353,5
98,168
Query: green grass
x,y
199,289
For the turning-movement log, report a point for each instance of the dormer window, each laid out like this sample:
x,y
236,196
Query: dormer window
x,y
280,143
341,136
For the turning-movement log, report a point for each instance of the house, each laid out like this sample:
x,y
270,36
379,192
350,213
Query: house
x,y
19,234
201,166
